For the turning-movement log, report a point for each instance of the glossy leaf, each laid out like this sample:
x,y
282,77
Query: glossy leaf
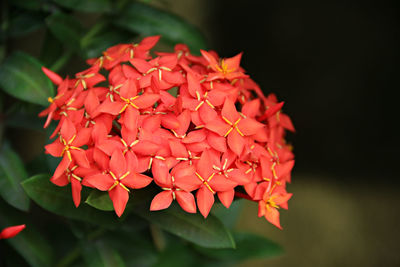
x,y
21,76
208,232
12,173
59,201
147,20
86,5
100,200
248,246
66,29
30,244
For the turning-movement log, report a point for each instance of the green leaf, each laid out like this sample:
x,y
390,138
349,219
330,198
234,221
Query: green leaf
x,y
147,20
12,172
248,246
86,5
24,23
59,201
21,76
30,244
176,253
208,232
101,254
100,200
141,250
228,216
66,29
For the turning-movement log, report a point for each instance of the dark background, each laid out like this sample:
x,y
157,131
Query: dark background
x,y
335,64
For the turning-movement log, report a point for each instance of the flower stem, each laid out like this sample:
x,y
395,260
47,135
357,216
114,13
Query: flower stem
x,y
245,196
72,256
158,237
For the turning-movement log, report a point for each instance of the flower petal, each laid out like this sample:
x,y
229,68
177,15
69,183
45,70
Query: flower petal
x,y
103,182
118,163
205,200
161,174
55,149
119,197
146,100
217,142
250,126
11,231
80,158
272,215
161,201
137,180
236,142
76,187
226,197
186,201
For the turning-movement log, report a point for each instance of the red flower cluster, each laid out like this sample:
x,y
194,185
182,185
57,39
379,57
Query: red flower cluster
x,y
192,124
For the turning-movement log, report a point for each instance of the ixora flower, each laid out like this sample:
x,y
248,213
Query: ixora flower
x,y
11,231
197,127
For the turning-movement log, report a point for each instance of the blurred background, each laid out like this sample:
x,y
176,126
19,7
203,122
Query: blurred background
x,y
335,64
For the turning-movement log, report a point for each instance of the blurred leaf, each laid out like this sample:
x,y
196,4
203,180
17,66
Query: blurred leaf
x,y
208,232
25,23
147,20
59,201
21,76
140,251
52,49
12,172
30,244
248,246
30,4
24,119
100,42
101,254
66,29
176,254
86,5
100,200
228,216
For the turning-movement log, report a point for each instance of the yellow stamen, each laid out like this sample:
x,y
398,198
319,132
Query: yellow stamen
x,y
124,176
113,175
114,185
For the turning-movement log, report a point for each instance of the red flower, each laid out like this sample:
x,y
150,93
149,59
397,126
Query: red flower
x,y
269,205
235,126
225,69
169,182
117,179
